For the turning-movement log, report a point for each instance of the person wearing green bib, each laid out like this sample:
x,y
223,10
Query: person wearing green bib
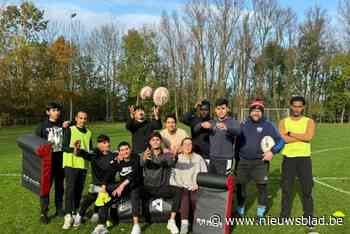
x,y
297,132
75,168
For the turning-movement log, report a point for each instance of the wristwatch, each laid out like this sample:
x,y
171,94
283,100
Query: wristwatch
x,y
288,133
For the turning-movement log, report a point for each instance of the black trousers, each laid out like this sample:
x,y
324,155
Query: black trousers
x,y
302,168
220,166
75,181
171,192
262,194
57,178
133,193
256,170
86,202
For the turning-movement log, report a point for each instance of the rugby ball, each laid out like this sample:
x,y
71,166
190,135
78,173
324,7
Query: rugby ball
x,y
267,143
161,96
146,92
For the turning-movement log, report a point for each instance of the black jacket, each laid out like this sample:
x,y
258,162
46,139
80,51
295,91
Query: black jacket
x,y
52,132
101,166
200,138
157,170
141,131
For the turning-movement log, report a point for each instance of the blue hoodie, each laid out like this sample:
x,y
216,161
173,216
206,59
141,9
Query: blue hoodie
x,y
251,135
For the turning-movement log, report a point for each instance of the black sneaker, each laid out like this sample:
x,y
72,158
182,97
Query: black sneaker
x,y
310,226
44,219
309,223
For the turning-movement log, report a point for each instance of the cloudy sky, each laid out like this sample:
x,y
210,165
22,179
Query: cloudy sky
x,y
133,13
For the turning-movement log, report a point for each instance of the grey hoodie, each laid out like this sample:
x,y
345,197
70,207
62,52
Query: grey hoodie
x,y
221,142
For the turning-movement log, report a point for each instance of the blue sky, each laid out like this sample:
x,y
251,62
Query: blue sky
x,y
133,13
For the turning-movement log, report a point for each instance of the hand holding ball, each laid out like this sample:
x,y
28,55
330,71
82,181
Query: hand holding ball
x,y
146,92
161,96
267,143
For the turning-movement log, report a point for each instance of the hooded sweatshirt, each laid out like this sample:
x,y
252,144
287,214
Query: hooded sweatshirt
x,y
221,142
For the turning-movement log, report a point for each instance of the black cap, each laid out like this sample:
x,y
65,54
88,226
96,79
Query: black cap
x,y
205,105
221,101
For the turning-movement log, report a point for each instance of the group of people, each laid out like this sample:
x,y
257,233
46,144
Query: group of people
x,y
164,163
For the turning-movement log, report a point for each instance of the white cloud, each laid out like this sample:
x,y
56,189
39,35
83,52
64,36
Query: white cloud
x,y
90,19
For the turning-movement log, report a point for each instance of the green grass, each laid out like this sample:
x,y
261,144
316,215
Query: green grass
x,y
19,208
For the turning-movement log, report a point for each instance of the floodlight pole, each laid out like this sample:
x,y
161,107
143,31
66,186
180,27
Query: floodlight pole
x,y
71,70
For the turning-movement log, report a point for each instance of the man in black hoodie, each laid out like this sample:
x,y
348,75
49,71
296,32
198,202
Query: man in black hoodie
x,y
141,128
201,138
101,159
51,130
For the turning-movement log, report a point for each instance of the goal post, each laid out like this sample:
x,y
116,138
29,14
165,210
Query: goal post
x,y
271,114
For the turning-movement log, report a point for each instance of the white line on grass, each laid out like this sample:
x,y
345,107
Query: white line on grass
x,y
331,187
10,174
330,149
332,178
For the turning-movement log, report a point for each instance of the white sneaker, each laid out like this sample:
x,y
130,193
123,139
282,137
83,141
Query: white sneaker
x,y
77,220
100,229
136,229
68,221
172,226
184,227
94,218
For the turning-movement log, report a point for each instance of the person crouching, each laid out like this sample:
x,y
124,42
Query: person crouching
x,y
126,164
157,167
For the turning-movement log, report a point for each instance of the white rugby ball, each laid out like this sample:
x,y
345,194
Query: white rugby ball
x,y
146,92
267,143
161,96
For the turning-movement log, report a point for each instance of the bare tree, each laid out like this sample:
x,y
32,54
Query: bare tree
x,y
104,45
225,16
344,15
197,19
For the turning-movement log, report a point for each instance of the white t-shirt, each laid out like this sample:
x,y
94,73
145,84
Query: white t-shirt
x,y
171,140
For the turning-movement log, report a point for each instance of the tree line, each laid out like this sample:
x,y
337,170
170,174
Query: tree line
x,y
208,49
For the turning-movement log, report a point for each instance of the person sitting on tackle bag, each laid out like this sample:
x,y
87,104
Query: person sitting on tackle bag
x,y
126,164
157,165
184,175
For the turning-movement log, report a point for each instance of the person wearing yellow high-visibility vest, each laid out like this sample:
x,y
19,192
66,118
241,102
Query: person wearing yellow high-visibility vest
x,y
75,168
297,132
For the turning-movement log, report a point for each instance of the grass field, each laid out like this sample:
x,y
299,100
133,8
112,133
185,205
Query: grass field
x,y
19,208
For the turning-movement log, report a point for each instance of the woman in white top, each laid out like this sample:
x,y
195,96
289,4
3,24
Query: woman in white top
x,y
184,175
